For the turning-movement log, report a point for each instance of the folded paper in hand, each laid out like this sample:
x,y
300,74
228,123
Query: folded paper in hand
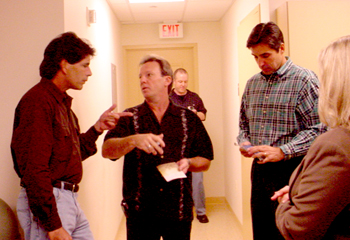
x,y
170,171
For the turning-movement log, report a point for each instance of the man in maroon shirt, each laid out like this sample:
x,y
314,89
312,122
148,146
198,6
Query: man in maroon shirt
x,y
48,148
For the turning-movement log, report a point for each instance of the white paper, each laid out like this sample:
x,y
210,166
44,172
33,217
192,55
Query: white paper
x,y
170,171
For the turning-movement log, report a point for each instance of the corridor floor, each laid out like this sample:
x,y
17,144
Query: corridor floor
x,y
222,225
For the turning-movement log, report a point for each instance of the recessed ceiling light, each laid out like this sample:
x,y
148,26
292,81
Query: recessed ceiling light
x,y
153,1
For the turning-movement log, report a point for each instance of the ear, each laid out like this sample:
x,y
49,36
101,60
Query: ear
x,y
282,47
64,66
168,80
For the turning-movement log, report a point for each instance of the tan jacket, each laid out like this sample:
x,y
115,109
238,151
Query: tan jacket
x,y
319,206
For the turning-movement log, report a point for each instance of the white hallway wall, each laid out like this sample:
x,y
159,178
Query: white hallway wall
x,y
26,27
100,194
24,33
229,27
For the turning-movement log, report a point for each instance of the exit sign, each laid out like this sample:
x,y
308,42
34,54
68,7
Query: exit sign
x,y
174,30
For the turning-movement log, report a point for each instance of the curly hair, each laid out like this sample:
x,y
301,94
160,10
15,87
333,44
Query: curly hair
x,y
67,46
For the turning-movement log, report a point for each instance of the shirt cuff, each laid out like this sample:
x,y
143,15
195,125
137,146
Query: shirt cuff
x,y
287,152
95,131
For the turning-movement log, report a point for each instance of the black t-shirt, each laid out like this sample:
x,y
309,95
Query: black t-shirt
x,y
190,99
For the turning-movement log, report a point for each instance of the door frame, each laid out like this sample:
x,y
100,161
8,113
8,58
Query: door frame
x,y
192,46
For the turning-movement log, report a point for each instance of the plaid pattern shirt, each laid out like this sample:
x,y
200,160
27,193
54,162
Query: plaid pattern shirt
x,y
280,110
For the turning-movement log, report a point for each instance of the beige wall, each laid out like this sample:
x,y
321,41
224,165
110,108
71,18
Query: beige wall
x,y
229,26
100,194
207,37
325,20
26,29
23,37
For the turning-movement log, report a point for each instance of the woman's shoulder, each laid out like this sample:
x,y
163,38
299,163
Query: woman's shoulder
x,y
335,133
337,138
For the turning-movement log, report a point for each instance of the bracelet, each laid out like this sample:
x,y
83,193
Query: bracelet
x,y
189,161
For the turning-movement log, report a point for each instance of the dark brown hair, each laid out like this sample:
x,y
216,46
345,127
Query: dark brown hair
x,y
67,46
266,33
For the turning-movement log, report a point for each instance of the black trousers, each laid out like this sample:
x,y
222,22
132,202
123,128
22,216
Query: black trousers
x,y
152,228
266,179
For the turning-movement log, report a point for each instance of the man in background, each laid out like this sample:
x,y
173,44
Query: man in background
x,y
159,132
278,123
48,148
183,97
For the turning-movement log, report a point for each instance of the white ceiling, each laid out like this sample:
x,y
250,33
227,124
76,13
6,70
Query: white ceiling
x,y
187,11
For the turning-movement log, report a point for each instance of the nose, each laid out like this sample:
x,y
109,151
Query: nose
x,y
261,62
89,73
142,79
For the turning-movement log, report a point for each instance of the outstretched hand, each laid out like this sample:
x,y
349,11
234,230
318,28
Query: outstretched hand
x,y
109,119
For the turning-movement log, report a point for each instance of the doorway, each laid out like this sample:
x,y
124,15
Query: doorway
x,y
178,55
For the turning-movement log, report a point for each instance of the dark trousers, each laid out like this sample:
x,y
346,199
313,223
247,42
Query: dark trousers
x,y
266,179
152,228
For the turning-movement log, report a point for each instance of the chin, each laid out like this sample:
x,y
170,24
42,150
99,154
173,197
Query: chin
x,y
267,73
78,87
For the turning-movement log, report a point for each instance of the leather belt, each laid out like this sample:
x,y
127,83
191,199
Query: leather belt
x,y
66,185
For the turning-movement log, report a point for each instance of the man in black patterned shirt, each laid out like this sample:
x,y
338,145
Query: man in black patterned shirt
x,y
159,132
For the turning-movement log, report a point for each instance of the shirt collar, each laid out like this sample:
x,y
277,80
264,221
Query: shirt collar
x,y
61,97
280,72
172,109
172,92
285,67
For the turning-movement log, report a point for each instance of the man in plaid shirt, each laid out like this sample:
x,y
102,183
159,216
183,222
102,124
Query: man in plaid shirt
x,y
278,122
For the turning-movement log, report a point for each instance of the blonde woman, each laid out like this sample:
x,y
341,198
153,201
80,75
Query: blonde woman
x,y
316,204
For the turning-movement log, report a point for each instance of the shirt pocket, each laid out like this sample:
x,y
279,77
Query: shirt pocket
x,y
284,115
62,147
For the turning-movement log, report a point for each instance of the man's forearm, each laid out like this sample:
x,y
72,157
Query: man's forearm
x,y
115,148
201,116
199,164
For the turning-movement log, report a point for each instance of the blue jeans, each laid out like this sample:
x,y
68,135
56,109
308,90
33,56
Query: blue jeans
x,y
72,217
198,193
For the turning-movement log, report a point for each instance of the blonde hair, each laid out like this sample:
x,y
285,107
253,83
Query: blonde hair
x,y
334,101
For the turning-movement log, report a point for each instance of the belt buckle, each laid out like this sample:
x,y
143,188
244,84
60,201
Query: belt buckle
x,y
74,185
